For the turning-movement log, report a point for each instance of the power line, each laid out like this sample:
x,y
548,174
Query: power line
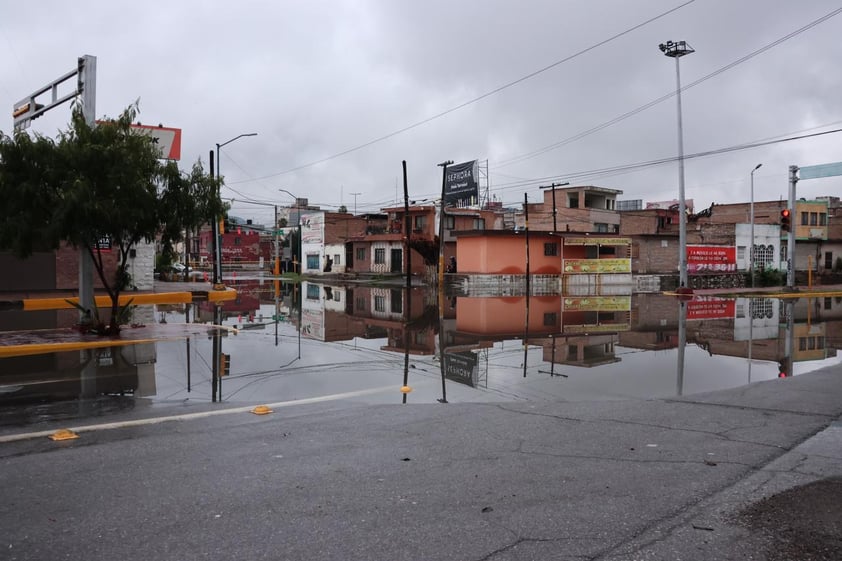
x,y
476,99
624,116
652,163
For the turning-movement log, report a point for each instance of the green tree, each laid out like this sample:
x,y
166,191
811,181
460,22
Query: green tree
x,y
94,183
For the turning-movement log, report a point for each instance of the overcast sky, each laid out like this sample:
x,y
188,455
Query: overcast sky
x,y
322,81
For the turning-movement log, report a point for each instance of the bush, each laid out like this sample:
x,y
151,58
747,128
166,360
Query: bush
x,y
770,277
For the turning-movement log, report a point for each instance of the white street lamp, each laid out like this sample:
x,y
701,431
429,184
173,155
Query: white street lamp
x,y
751,218
676,50
217,241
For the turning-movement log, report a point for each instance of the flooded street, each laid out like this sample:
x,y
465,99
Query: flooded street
x,y
377,345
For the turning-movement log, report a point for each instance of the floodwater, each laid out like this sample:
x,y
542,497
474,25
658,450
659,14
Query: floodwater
x,y
318,343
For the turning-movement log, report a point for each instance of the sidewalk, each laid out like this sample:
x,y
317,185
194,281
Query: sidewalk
x,y
162,293
774,291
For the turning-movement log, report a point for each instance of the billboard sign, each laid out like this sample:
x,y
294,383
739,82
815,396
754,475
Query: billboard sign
x,y
461,367
460,182
671,205
166,139
710,308
711,259
597,265
312,228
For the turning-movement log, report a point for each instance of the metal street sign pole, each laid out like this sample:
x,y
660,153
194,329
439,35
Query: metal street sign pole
x,y
27,109
806,172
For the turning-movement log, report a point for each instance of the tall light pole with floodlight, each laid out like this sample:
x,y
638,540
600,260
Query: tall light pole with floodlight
x,y
751,218
676,50
217,241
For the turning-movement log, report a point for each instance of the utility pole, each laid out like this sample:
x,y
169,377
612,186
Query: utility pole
x,y
443,166
555,210
790,246
355,201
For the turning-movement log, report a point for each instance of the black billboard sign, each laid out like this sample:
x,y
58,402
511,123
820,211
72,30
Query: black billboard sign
x,y
461,367
460,182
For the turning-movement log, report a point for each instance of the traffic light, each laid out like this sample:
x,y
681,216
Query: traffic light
x,y
224,364
785,220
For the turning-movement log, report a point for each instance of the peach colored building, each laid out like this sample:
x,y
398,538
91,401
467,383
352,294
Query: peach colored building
x,y
503,252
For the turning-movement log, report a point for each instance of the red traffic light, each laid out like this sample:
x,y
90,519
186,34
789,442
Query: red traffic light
x,y
785,222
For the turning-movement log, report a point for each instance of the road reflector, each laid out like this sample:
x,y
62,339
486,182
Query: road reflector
x,y
261,410
64,434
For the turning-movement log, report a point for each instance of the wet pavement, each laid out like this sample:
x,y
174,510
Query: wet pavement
x,y
535,471
638,479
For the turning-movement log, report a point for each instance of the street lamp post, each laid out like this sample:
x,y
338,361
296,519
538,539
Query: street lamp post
x,y
298,215
676,50
751,218
217,241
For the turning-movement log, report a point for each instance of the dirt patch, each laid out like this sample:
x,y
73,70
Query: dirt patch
x,y
803,523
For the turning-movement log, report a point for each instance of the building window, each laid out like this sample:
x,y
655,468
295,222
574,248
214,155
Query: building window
x,y
805,218
828,304
822,219
397,301
379,304
551,249
313,261
313,292
763,256
359,304
783,255
601,228
828,260
814,219
337,259
573,201
550,319
449,222
741,252
337,296
380,256
479,223
360,254
420,222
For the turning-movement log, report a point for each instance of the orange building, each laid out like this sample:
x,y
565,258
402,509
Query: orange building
x,y
506,252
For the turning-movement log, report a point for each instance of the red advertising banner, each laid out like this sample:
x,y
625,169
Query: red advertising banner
x,y
710,308
711,259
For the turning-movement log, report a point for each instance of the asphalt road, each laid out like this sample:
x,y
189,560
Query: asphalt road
x,y
695,479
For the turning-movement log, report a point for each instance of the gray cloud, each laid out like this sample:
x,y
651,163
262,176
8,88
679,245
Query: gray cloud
x,y
315,79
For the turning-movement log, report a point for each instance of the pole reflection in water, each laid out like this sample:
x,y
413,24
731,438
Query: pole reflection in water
x,y
526,325
441,345
789,341
216,384
682,342
750,334
187,343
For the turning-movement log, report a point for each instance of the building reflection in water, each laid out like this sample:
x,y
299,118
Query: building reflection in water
x,y
574,333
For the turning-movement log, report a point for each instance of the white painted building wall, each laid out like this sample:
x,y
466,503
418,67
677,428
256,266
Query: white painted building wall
x,y
767,240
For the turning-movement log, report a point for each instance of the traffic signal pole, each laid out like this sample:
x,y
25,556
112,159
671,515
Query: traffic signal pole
x,y
790,247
